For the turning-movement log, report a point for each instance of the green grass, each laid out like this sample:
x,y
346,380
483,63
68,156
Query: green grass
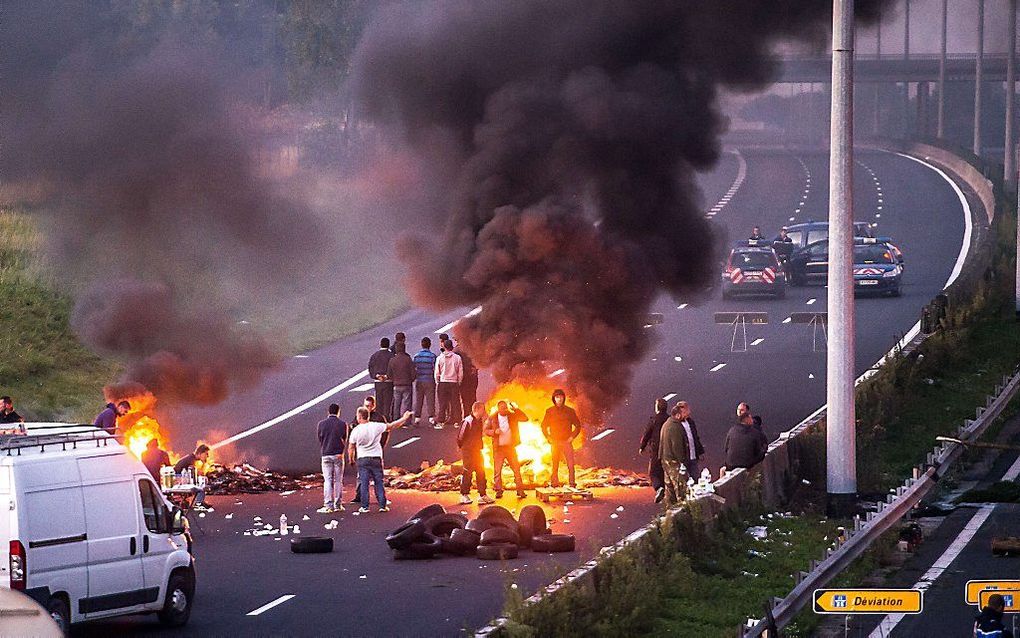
x,y
43,366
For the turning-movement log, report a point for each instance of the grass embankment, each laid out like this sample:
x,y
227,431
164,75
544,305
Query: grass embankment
x,y
43,366
689,583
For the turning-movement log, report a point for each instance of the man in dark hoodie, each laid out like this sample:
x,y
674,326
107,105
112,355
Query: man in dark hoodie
x,y
378,366
400,371
107,419
470,442
560,426
988,624
469,385
650,441
745,446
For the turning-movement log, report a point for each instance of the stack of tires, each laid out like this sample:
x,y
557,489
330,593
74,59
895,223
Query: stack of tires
x,y
494,535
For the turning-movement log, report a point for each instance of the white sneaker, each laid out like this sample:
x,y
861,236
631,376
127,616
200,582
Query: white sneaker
x,y
363,510
325,509
385,508
486,500
466,500
339,508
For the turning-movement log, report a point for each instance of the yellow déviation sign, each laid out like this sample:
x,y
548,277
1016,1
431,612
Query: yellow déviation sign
x,y
868,601
975,587
1010,596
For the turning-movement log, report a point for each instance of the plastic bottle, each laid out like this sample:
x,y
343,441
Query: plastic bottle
x,y
283,524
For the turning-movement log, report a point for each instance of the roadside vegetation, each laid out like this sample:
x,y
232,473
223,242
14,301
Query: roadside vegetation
x,y
691,582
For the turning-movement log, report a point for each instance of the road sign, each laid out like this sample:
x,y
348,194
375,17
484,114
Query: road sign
x,y
1010,596
756,318
975,587
868,601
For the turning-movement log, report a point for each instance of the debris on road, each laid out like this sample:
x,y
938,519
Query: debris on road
x,y
247,479
445,477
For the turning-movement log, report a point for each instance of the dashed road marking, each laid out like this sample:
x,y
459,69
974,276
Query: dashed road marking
x,y
734,187
757,342
681,306
603,434
811,301
718,367
405,443
788,320
301,356
270,605
670,396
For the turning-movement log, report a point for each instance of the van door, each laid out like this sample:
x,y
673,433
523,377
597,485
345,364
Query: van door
x,y
157,545
116,584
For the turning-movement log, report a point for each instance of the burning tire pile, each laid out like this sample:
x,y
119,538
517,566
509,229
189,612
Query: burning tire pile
x,y
493,535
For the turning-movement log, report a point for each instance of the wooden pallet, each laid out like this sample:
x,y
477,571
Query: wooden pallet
x,y
1006,546
547,494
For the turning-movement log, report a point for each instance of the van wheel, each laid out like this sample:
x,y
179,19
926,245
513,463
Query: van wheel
x,y
60,613
177,607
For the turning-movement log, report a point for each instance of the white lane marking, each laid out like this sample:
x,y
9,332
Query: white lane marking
x,y
945,560
556,373
757,342
678,359
453,324
670,396
811,301
407,442
1013,472
603,434
301,356
364,387
718,367
270,605
734,187
788,320
681,306
968,223
792,218
289,413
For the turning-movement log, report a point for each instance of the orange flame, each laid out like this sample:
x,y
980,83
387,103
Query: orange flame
x,y
534,452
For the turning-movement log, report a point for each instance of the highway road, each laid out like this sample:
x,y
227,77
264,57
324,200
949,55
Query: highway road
x,y
779,375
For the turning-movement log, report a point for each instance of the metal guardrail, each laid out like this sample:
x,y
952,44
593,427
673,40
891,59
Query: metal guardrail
x,y
898,505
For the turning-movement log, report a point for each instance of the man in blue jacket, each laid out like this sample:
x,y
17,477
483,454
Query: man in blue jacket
x,y
107,419
332,439
424,383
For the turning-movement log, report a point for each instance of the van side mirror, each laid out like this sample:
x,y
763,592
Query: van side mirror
x,y
178,524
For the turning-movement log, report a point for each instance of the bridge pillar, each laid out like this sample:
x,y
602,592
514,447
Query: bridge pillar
x,y
841,461
941,126
979,77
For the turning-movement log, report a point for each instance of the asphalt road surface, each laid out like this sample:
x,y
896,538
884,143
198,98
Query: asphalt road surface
x,y
780,375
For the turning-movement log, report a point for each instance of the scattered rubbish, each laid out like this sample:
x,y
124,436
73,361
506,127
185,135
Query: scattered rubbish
x,y
247,479
620,508
750,574
758,531
363,576
566,521
201,514
614,515
810,376
297,529
805,482
287,493
229,516
444,477
306,518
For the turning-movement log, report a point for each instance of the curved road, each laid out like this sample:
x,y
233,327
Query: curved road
x,y
360,590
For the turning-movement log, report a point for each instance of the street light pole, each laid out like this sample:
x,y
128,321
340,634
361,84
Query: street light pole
x,y
979,73
1009,161
840,444
941,133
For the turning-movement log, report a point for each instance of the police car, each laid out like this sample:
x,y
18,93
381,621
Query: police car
x,y
753,269
804,234
878,265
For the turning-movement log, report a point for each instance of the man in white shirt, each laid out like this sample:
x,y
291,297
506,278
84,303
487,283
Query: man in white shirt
x,y
504,428
366,446
449,373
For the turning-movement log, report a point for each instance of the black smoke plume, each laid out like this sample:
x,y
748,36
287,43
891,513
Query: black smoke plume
x,y
159,212
568,134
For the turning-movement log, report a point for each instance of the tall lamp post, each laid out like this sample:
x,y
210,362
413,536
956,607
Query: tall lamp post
x,y
841,444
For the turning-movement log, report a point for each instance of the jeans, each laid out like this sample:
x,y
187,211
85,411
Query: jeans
x,y
384,397
508,454
564,449
333,480
424,392
401,400
473,466
370,467
449,403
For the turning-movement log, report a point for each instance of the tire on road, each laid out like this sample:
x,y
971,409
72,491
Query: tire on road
x,y
553,543
497,513
461,542
444,524
500,551
420,550
311,545
479,525
60,612
406,534
499,536
427,512
532,523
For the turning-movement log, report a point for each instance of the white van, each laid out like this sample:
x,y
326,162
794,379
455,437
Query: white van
x,y
85,530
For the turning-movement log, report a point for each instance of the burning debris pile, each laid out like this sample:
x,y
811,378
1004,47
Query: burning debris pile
x,y
443,477
246,479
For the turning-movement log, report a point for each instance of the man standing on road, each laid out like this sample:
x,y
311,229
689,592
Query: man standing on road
x,y
988,623
504,428
10,418
400,337
469,386
745,446
675,452
400,371
469,440
378,366
560,426
332,433
107,419
695,450
449,374
650,441
756,234
365,445
373,415
424,383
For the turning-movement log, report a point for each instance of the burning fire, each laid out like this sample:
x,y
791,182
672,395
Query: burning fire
x,y
534,452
